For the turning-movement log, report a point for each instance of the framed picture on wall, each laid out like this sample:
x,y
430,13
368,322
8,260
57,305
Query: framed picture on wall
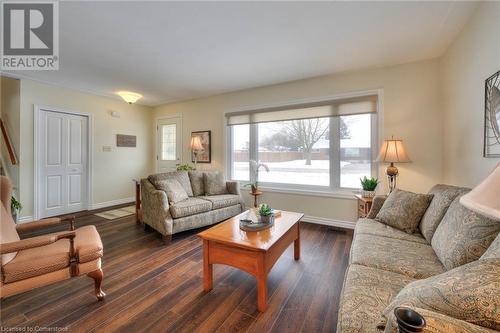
x,y
205,156
492,116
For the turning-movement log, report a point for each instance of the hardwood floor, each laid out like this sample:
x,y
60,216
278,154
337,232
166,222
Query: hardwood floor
x,y
155,288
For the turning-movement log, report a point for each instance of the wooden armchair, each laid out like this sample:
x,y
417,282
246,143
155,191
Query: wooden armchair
x,y
38,261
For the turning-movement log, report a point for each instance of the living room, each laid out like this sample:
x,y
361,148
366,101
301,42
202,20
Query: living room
x,y
285,104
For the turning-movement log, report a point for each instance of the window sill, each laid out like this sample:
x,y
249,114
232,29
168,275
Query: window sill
x,y
339,194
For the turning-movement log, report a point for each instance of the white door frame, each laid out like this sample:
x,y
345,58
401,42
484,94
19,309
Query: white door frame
x,y
36,148
155,127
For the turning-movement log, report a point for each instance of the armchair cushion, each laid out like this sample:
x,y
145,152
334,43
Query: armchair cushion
x,y
8,233
222,200
214,183
189,207
53,257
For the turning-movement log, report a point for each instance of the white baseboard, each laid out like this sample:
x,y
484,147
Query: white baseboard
x,y
329,222
24,219
111,203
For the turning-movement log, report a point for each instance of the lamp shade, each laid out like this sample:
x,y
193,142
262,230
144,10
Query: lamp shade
x,y
195,144
484,199
393,151
129,97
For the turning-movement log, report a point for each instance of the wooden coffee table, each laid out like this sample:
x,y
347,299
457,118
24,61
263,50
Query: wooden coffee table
x,y
254,252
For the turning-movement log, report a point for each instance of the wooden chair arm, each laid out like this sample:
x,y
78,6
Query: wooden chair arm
x,y
73,259
45,223
27,243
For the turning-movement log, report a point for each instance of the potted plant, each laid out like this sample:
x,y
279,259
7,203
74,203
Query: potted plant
x,y
265,213
184,167
254,186
15,208
369,185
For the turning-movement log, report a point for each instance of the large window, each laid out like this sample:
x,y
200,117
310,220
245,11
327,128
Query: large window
x,y
325,153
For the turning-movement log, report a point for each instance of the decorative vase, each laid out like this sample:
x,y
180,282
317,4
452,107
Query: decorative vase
x,y
266,218
367,194
409,321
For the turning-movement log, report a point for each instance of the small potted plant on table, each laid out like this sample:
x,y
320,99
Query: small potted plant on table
x,y
369,185
265,213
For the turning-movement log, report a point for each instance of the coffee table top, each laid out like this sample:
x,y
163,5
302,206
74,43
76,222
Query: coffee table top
x,y
229,231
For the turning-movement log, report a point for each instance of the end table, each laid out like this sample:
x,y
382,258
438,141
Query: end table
x,y
255,195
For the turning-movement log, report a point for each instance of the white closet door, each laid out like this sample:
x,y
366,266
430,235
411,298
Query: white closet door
x,y
63,163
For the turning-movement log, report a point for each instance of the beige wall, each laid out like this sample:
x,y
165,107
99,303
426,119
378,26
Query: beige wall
x,y
112,171
474,56
412,111
10,93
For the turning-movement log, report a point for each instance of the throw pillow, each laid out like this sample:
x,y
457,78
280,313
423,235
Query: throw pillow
x,y
196,178
462,236
181,176
403,210
175,191
494,250
214,183
443,197
469,293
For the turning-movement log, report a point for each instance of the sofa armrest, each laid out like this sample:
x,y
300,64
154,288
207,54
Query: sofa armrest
x,y
155,208
377,203
233,187
438,322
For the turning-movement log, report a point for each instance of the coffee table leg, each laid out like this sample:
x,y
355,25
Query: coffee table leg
x,y
207,269
296,245
262,292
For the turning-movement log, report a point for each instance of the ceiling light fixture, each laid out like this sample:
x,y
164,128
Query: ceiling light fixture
x,y
129,97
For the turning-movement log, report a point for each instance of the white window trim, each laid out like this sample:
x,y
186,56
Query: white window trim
x,y
312,190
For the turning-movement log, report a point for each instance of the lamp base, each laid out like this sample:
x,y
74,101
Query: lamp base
x,y
392,173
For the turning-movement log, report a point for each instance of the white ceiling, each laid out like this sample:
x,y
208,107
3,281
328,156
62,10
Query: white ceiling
x,y
171,51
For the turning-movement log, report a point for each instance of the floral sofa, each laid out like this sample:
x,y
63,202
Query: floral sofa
x,y
177,201
448,271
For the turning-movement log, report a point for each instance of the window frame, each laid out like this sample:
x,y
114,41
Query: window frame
x,y
333,189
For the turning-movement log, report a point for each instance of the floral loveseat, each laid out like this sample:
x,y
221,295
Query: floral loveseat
x,y
448,271
176,201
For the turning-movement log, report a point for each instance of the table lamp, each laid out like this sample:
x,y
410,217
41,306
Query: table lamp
x,y
196,147
392,151
484,199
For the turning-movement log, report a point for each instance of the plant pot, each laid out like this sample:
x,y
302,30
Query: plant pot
x,y
367,194
255,189
266,219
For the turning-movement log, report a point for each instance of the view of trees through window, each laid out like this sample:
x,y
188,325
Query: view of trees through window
x,y
305,152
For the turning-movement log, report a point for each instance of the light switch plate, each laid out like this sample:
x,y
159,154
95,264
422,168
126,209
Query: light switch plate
x,y
106,149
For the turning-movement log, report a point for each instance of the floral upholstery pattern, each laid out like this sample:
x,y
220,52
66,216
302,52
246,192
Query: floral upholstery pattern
x,y
469,292
443,197
181,176
439,323
204,219
377,203
404,210
372,227
463,236
494,250
223,200
197,185
175,191
214,183
412,259
367,291
189,207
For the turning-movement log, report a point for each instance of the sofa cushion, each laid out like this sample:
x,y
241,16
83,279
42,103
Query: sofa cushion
x,y
366,292
214,183
463,236
189,207
372,227
181,176
53,257
443,197
222,200
494,250
8,233
412,259
204,219
404,210
469,292
175,191
197,185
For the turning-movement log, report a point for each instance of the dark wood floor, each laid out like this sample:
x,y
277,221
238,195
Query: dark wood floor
x,y
155,288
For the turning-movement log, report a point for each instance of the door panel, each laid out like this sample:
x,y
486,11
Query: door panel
x,y
169,144
62,172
